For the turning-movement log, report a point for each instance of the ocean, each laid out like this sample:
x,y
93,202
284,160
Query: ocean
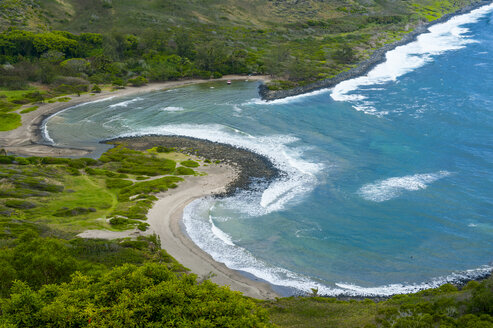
x,y
387,179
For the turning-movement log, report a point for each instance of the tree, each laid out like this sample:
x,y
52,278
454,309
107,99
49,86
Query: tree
x,y
345,55
275,61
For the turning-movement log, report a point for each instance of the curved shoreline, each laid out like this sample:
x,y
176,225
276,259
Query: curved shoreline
x,y
365,66
165,219
258,167
28,140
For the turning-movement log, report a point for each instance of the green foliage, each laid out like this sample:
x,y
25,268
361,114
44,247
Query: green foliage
x,y
147,187
117,183
184,171
96,89
9,121
138,81
29,109
138,163
149,295
21,204
190,163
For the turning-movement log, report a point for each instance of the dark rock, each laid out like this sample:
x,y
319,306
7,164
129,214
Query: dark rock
x,y
251,166
365,66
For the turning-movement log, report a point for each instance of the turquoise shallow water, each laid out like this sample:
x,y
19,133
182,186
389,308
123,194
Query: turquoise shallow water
x,y
388,178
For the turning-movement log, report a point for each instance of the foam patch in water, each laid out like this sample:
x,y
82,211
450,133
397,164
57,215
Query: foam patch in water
x,y
299,175
387,189
207,236
287,100
441,37
126,103
172,109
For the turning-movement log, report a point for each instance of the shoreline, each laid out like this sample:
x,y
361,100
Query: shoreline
x,y
222,179
165,219
31,144
365,66
249,166
28,140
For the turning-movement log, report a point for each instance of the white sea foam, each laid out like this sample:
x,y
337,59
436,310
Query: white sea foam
x,y
383,190
126,102
44,128
201,230
299,175
441,38
287,100
172,109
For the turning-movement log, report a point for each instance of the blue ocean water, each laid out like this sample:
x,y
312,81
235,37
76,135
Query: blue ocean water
x,y
388,178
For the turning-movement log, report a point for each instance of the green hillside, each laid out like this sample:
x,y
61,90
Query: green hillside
x,y
297,41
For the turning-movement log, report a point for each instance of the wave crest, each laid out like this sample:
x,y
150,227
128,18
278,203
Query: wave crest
x,y
387,189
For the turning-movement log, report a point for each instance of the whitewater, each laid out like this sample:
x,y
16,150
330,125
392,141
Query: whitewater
x,y
386,179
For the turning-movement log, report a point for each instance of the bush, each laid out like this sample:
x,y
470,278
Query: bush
x,y
66,212
138,81
184,171
190,163
20,204
143,226
96,89
118,82
6,159
119,221
21,161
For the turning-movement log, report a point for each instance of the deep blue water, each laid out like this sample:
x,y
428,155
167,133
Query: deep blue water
x,y
389,177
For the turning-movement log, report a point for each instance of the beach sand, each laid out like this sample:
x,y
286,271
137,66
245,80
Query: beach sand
x,y
27,140
164,219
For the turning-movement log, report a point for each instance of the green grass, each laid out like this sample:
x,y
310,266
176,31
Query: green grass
x,y
190,163
321,312
15,94
73,195
9,121
28,110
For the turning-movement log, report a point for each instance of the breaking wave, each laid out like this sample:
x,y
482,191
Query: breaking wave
x,y
387,189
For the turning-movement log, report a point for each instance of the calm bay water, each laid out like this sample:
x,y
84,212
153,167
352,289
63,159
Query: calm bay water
x,y
388,183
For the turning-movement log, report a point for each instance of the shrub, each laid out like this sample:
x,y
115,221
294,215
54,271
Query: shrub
x,y
119,82
119,221
184,171
21,161
161,149
6,159
20,204
190,163
143,226
96,89
138,81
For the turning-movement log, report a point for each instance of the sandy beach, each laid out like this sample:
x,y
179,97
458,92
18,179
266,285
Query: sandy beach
x,y
164,218
27,140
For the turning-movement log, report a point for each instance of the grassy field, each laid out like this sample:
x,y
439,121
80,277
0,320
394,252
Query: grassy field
x,y
74,195
446,306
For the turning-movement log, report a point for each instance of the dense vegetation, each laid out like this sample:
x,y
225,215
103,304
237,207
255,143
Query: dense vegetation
x,y
50,277
115,41
53,48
